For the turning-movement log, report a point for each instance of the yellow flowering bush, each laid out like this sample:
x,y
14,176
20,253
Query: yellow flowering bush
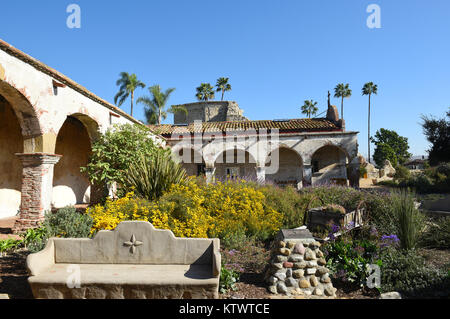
x,y
113,212
197,210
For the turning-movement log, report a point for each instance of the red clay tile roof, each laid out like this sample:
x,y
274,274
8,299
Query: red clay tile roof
x,y
286,126
4,46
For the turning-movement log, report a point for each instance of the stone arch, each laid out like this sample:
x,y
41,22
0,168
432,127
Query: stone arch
x,y
190,158
11,143
240,164
74,143
27,117
285,168
329,165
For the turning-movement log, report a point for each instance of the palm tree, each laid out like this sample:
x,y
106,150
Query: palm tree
x,y
205,92
155,105
127,85
369,89
222,85
342,90
309,108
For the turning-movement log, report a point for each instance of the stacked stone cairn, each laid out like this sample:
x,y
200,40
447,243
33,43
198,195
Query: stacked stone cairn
x,y
299,269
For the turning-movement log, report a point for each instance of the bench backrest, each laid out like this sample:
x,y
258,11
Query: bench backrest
x,y
136,242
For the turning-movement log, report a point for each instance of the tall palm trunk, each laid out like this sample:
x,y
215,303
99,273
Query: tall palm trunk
x,y
342,108
368,132
132,98
223,92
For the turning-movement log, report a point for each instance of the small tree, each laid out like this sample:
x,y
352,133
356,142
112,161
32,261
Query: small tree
x,y
127,85
342,91
437,132
205,92
390,146
117,150
368,89
309,108
155,105
223,86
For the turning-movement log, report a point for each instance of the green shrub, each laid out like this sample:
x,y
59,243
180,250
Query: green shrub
x,y
410,220
405,271
115,151
401,172
228,279
288,202
35,239
348,260
149,177
68,223
8,245
334,208
437,234
378,204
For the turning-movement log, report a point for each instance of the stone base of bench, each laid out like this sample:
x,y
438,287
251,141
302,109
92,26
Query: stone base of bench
x,y
43,291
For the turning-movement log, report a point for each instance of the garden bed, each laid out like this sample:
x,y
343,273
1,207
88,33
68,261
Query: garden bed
x,y
13,276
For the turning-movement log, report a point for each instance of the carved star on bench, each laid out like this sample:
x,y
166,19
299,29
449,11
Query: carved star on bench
x,y
133,243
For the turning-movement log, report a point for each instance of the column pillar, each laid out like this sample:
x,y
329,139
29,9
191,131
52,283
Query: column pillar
x,y
210,174
307,175
37,188
261,174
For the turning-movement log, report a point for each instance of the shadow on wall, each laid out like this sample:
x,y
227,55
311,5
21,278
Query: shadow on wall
x,y
70,186
11,142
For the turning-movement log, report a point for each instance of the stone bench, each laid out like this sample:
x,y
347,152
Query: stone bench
x,y
133,261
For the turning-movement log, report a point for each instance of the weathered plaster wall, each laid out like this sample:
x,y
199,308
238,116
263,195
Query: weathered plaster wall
x,y
302,145
290,168
331,162
11,142
49,105
210,111
246,170
70,186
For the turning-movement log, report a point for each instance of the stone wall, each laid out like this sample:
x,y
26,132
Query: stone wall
x,y
298,268
210,111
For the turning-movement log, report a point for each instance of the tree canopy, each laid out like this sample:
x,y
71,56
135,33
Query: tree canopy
x,y
390,146
116,150
205,92
155,105
223,86
437,132
127,83
309,108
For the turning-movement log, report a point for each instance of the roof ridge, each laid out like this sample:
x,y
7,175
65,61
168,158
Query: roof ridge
x,y
9,49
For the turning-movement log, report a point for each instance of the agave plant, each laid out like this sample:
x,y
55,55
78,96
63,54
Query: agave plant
x,y
150,177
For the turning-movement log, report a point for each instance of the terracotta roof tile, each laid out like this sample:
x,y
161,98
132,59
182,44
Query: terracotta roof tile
x,y
286,126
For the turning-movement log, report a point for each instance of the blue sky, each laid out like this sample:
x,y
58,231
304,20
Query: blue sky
x,y
276,53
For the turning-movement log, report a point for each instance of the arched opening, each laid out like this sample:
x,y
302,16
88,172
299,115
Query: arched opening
x,y
290,168
70,186
329,165
11,143
237,164
192,161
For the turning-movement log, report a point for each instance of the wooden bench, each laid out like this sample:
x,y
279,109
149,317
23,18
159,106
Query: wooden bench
x,y
133,261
